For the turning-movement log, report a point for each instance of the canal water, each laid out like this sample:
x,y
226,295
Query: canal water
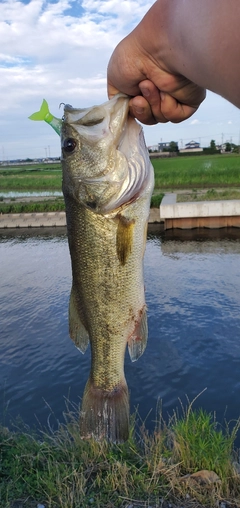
x,y
33,194
192,283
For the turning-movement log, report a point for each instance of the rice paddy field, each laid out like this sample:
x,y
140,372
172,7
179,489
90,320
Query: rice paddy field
x,y
198,171
174,172
209,173
25,178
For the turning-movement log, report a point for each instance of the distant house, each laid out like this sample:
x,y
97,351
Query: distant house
x,y
192,146
153,148
163,147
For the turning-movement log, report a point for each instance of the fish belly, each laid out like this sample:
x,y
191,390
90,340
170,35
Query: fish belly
x,y
107,307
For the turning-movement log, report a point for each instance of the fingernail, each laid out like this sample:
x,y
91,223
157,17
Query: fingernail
x,y
145,92
162,95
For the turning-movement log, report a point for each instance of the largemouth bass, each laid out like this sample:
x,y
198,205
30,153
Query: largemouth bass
x,y
107,186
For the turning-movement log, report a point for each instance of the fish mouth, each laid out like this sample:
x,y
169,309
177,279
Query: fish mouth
x,y
127,168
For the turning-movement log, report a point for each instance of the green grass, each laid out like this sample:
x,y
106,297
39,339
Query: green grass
x,y
40,177
201,444
199,171
209,195
59,469
57,205
156,200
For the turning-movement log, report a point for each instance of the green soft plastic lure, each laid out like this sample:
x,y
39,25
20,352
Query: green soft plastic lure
x,y
45,115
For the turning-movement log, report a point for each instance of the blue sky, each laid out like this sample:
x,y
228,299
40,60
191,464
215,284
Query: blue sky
x,y
59,50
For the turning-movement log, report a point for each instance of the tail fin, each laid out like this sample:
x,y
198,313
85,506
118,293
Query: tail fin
x,y
45,115
105,415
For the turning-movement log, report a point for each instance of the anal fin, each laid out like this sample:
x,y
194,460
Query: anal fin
x,y
138,339
77,330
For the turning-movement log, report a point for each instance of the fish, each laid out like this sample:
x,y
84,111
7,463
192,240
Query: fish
x,y
107,183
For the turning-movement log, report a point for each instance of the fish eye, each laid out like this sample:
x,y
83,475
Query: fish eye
x,y
69,145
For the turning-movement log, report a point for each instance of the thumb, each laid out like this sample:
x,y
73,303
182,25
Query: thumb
x,y
111,90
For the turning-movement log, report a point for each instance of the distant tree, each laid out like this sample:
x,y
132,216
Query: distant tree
x,y
228,147
173,146
213,145
235,148
212,148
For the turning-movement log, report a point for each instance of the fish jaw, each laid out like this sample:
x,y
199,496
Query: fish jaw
x,y
104,157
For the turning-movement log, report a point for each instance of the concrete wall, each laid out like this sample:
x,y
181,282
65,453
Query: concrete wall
x,y
170,209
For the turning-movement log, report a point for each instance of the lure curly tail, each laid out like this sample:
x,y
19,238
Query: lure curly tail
x,y
45,115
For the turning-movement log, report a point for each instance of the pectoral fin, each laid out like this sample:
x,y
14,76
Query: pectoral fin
x,y
138,340
77,330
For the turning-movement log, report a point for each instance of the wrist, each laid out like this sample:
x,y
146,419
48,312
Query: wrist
x,y
156,38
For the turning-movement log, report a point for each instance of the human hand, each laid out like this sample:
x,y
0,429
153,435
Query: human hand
x,y
158,93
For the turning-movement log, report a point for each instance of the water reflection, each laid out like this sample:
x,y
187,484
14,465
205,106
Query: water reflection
x,y
192,293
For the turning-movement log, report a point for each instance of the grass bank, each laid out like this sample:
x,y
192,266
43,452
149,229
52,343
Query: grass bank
x,y
58,469
209,195
56,205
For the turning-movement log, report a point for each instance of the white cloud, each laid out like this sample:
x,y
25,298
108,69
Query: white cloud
x,y
59,50
195,122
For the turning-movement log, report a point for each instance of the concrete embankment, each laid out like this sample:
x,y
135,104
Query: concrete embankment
x,y
183,215
48,219
208,214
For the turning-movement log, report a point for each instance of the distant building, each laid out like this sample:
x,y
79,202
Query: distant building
x,y
163,146
169,148
192,146
153,148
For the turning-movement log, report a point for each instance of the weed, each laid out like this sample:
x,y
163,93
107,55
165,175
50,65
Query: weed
x,y
156,200
56,205
59,469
